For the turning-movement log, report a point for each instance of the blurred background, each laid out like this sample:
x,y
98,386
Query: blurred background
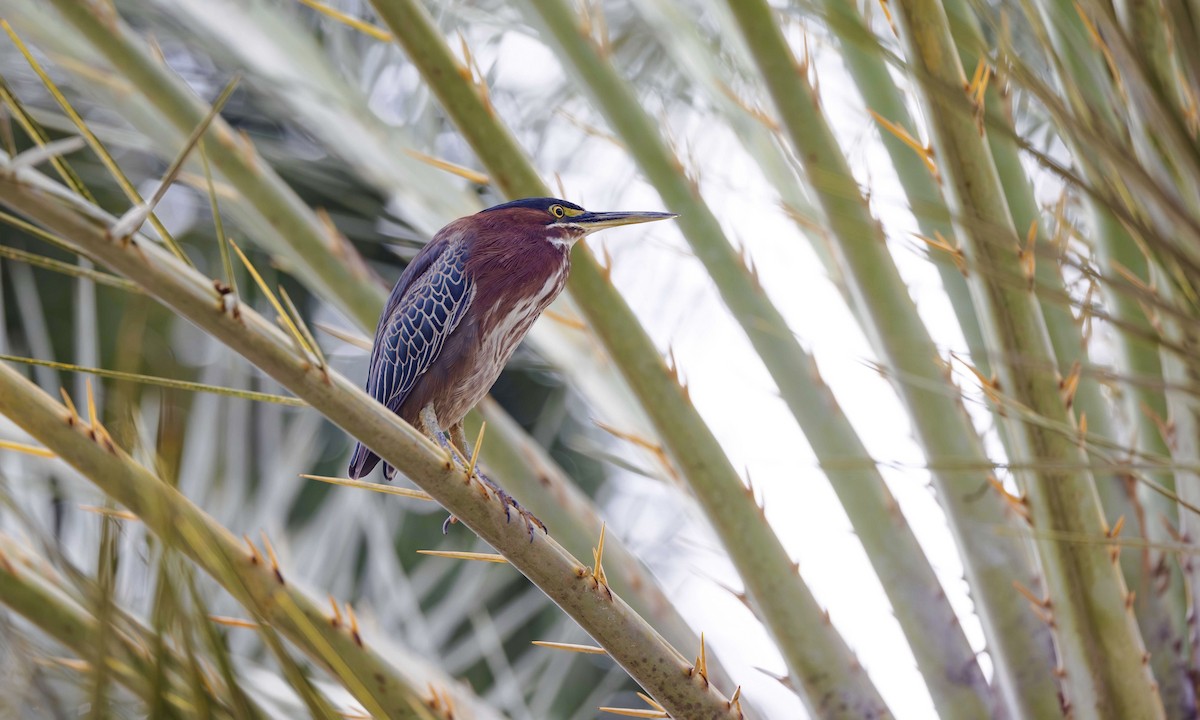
x,y
932,292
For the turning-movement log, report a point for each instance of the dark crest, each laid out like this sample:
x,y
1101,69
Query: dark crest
x,y
541,203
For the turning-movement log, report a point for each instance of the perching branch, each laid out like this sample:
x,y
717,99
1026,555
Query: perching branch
x,y
649,659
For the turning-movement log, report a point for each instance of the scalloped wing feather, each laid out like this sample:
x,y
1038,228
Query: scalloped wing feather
x,y
424,310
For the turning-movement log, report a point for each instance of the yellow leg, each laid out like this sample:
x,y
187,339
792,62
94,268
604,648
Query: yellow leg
x,y
458,436
463,453
435,432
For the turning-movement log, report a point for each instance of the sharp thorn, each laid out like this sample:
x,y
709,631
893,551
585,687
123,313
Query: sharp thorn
x,y
336,618
460,555
571,647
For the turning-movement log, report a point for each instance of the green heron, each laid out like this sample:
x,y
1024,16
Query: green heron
x,y
463,305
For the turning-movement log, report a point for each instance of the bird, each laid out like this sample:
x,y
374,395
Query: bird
x,y
463,305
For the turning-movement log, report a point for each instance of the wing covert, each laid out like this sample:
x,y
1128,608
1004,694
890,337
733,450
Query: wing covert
x,y
412,335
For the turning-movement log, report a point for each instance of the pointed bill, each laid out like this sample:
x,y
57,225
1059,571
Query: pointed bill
x,y
592,221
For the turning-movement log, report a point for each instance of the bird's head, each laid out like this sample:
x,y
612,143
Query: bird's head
x,y
559,222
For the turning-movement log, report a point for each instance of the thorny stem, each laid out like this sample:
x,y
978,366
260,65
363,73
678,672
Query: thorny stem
x,y
780,595
1097,638
649,659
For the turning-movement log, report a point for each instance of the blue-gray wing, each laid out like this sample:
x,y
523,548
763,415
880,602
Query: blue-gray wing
x,y
417,328
425,308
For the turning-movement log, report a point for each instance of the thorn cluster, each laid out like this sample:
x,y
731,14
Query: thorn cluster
x,y
274,560
989,385
233,622
1017,503
887,13
1112,533
1100,44
594,26
646,444
95,429
1040,605
754,111
655,710
1070,384
977,89
366,28
700,667
1027,256
596,572
463,555
255,557
471,72
440,702
735,702
335,619
349,620
571,647
353,620
939,242
924,150
566,320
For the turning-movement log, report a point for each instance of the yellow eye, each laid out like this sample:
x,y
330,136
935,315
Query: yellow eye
x,y
557,211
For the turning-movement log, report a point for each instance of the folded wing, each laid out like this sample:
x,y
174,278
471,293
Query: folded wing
x,y
426,306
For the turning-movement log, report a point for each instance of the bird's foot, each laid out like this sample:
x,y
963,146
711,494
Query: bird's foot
x,y
464,460
510,504
433,430
460,461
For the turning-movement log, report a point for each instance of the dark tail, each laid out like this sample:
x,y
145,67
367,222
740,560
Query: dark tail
x,y
362,461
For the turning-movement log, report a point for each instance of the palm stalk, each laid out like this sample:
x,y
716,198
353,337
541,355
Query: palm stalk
x,y
941,654
364,143
789,610
35,593
340,119
648,658
284,63
531,474
1097,638
1179,372
379,156
691,51
295,229
871,74
944,655
1018,644
367,146
1112,485
246,576
1159,581
312,92
865,61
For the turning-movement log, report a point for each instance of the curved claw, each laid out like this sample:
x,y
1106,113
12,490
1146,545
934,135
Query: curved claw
x,y
509,503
